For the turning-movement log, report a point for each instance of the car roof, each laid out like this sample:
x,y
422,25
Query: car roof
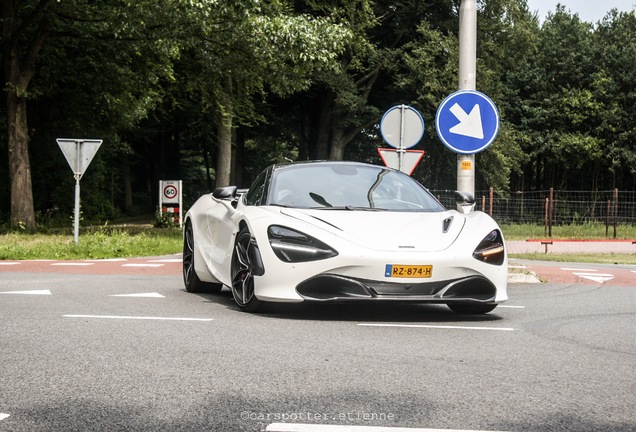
x,y
324,162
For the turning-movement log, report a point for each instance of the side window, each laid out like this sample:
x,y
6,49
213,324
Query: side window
x,y
255,195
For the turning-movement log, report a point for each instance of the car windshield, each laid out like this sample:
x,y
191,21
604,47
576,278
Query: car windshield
x,y
342,186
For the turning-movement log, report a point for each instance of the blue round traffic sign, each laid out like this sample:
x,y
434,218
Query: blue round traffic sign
x,y
467,121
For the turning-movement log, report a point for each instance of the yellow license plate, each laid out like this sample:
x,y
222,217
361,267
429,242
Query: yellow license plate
x,y
408,271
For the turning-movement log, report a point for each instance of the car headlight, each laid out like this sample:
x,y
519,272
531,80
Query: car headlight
x,y
293,246
491,250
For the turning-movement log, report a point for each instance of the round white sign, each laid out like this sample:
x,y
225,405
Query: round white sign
x,y
402,126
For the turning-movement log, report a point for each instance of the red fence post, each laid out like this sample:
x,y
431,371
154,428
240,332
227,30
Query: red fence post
x,y
551,212
615,210
545,220
607,217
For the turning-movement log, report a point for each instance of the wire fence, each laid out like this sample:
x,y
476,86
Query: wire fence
x,y
553,207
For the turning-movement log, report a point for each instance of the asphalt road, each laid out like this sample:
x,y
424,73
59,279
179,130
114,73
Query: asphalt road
x,y
135,352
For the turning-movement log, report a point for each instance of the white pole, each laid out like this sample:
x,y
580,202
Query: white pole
x,y
401,148
180,183
77,211
78,169
467,81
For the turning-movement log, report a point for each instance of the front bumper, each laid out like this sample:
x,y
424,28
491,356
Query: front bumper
x,y
331,287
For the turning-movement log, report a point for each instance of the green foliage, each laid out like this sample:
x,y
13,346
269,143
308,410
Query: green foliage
x,y
164,220
609,258
97,243
573,231
311,79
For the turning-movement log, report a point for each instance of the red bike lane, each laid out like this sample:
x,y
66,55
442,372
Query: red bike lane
x,y
583,274
168,265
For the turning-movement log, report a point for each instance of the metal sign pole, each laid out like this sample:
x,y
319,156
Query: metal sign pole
x,y
180,204
401,147
77,174
77,210
467,81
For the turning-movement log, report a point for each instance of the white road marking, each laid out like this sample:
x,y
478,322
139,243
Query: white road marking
x,y
8,263
142,265
108,260
31,292
137,318
517,267
144,295
171,260
3,416
591,274
435,326
577,269
72,264
511,307
299,427
596,277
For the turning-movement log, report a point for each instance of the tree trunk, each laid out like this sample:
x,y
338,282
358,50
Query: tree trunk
x,y
128,194
22,211
19,68
323,127
338,144
224,151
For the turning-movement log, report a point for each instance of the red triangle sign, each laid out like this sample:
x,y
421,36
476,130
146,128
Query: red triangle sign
x,y
410,159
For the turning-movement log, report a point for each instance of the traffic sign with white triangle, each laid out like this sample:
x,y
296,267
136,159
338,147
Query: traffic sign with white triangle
x,y
79,153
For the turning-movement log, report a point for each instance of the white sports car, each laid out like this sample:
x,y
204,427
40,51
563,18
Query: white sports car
x,y
343,231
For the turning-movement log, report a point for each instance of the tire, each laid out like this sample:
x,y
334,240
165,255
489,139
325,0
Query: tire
x,y
190,279
242,270
471,308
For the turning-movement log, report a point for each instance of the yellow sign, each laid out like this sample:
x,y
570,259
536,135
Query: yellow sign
x,y
467,165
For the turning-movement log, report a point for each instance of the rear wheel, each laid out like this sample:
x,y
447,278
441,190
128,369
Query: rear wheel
x,y
471,308
190,279
243,273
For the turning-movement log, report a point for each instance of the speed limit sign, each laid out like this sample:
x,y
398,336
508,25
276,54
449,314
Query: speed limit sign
x,y
170,191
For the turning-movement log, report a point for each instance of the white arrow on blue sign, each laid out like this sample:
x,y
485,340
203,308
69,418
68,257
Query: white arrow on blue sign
x,y
467,121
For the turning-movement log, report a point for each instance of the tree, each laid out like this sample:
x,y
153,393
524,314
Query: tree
x,y
27,26
348,100
614,89
24,31
247,48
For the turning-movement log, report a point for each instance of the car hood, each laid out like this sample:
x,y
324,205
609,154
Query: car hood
x,y
388,231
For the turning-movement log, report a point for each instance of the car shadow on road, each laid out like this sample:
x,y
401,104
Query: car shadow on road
x,y
367,311
401,312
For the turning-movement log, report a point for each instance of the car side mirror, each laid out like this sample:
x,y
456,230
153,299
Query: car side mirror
x,y
223,193
465,202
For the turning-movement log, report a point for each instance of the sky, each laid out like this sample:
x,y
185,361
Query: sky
x,y
588,10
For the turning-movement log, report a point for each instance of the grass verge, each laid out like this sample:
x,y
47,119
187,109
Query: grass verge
x,y
93,244
144,240
568,232
600,258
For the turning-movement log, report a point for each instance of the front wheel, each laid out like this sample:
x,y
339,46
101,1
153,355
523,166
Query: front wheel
x,y
243,273
190,279
471,308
